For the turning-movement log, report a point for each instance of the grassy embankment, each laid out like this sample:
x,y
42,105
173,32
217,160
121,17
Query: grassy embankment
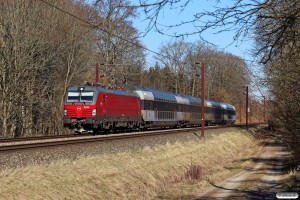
x,y
168,171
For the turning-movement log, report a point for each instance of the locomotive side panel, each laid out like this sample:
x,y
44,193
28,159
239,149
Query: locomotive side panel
x,y
101,106
122,107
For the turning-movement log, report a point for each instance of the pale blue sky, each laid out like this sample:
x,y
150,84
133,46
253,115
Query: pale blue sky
x,y
153,40
223,41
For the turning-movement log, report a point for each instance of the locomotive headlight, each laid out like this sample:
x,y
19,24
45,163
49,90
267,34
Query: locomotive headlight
x,y
65,112
94,111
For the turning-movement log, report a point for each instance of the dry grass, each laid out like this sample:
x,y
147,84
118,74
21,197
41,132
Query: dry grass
x,y
144,174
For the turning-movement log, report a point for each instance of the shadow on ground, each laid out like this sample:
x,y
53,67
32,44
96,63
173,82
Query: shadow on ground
x,y
266,188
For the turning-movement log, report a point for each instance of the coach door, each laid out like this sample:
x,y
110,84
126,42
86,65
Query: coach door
x,y
155,114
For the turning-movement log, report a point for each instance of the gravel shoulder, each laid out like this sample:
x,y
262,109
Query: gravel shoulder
x,y
262,180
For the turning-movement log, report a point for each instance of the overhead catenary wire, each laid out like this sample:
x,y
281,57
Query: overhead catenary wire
x,y
101,29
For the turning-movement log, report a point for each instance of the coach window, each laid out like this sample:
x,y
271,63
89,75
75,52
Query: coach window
x,y
179,108
148,105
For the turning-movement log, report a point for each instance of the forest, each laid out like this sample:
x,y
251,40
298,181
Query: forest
x,y
47,46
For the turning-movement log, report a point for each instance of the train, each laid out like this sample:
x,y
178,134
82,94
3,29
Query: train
x,y
92,108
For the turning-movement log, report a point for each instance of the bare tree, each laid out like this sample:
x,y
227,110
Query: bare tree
x,y
118,44
172,55
224,72
37,61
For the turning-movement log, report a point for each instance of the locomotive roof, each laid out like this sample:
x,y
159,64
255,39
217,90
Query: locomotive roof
x,y
101,89
87,88
122,92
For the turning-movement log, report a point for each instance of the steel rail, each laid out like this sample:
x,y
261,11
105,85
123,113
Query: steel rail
x,y
21,139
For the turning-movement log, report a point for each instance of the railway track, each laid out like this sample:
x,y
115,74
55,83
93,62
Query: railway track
x,y
48,141
22,139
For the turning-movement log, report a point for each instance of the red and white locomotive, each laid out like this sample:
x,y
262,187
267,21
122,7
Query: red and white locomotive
x,y
93,108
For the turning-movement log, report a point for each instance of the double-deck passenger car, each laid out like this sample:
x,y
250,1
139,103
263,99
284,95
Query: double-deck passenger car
x,y
161,108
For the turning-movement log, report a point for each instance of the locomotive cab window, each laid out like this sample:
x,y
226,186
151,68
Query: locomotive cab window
x,y
80,97
73,97
87,97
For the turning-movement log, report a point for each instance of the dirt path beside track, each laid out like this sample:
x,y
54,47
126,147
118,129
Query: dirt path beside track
x,y
260,181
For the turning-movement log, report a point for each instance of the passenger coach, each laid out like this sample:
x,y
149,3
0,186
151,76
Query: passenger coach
x,y
161,108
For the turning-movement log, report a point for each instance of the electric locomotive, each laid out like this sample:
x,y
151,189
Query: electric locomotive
x,y
93,108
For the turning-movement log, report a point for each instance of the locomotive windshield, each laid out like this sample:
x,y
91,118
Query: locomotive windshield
x,y
80,97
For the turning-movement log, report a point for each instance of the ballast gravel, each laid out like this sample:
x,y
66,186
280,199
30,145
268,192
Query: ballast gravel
x,y
46,155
